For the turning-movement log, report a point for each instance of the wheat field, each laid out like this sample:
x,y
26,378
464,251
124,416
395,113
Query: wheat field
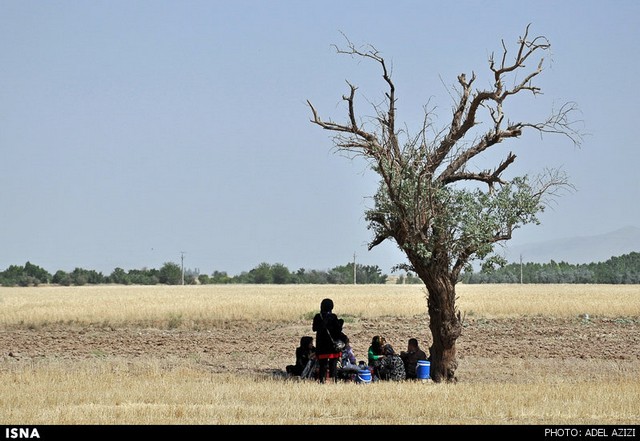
x,y
147,391
149,305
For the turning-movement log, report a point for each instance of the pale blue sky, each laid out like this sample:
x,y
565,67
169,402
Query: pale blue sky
x,y
133,131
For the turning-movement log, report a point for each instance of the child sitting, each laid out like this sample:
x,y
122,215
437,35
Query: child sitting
x,y
348,363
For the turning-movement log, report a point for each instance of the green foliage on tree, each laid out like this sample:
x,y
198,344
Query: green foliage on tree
x,y
312,277
280,274
408,279
27,275
217,277
40,275
120,277
81,276
260,274
365,274
62,278
170,274
144,276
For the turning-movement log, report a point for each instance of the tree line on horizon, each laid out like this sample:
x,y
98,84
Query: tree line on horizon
x,y
623,269
172,274
620,270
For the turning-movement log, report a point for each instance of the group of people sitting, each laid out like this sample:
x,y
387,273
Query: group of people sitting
x,y
383,361
326,361
389,365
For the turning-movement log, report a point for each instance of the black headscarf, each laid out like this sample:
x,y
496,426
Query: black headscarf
x,y
305,341
325,321
326,305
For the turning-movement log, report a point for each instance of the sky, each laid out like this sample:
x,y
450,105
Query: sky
x,y
136,133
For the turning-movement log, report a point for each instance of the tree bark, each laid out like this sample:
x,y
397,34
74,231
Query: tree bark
x,y
445,324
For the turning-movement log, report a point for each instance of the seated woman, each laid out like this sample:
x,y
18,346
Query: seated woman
x,y
392,366
305,354
375,355
348,366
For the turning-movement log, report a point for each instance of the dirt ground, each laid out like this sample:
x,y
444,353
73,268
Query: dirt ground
x,y
247,348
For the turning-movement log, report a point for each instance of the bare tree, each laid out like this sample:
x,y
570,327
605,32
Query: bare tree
x,y
440,211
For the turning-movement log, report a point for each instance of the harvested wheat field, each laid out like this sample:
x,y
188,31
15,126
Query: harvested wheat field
x,y
215,355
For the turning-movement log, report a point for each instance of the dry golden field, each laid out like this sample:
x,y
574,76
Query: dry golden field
x,y
215,355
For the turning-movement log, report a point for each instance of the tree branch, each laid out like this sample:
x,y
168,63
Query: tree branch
x,y
465,114
488,177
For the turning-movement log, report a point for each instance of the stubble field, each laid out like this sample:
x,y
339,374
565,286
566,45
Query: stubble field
x,y
529,354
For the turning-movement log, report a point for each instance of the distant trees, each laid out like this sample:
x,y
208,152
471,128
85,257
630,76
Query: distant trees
x,y
27,275
78,277
617,270
170,274
364,274
217,277
144,276
120,277
408,279
279,274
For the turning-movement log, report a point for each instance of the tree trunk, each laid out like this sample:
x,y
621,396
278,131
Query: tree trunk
x,y
445,325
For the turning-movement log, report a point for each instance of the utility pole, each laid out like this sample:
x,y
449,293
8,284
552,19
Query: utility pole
x,y
182,265
354,268
520,269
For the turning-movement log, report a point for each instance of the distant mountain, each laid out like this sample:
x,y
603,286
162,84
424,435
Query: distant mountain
x,y
577,250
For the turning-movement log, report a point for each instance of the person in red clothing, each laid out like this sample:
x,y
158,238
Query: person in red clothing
x,y
328,327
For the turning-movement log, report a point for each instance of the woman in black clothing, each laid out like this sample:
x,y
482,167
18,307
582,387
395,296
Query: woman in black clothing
x,y
327,326
305,352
